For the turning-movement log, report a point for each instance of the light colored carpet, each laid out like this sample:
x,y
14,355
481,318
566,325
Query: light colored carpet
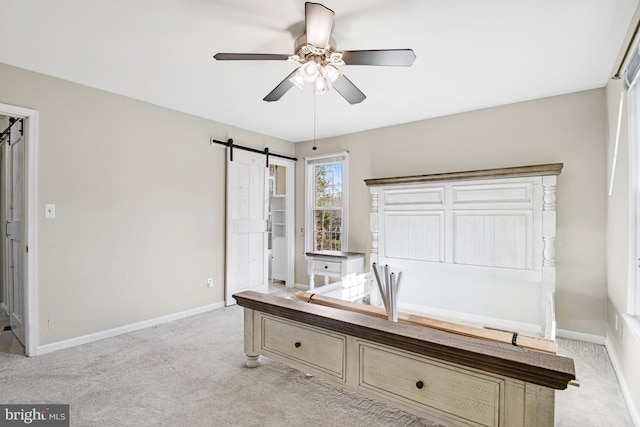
x,y
4,321
191,372
598,401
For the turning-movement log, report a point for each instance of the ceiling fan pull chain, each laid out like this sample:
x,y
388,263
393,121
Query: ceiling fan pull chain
x,y
315,96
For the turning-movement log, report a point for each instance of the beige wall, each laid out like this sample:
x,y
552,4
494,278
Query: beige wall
x,y
570,129
139,196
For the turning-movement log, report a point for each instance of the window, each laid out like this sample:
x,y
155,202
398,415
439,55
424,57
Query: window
x,y
633,95
326,212
634,203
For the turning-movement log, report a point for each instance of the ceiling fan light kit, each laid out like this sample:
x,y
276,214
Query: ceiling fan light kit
x,y
322,76
316,51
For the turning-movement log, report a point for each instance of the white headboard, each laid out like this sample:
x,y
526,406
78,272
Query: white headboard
x,y
475,246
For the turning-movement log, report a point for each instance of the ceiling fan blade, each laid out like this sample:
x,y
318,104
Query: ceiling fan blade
x,y
250,57
394,57
348,90
281,89
318,24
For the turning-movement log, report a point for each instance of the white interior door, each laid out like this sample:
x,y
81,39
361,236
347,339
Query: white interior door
x,y
4,167
247,207
14,231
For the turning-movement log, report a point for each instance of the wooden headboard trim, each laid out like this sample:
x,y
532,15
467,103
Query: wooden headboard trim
x,y
512,172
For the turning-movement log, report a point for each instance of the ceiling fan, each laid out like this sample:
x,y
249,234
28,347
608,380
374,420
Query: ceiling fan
x,y
316,51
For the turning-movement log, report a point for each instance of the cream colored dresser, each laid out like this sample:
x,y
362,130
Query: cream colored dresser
x,y
451,379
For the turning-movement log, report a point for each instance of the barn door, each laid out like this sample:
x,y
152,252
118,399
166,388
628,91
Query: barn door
x,y
247,207
15,249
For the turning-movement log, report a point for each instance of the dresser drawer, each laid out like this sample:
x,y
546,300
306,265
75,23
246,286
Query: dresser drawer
x,y
327,267
467,397
306,345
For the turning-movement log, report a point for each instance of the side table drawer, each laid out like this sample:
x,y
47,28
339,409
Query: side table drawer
x,y
466,396
320,267
317,349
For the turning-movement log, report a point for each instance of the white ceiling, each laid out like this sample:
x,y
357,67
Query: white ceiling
x,y
471,54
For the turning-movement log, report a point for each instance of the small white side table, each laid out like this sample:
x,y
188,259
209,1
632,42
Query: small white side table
x,y
333,264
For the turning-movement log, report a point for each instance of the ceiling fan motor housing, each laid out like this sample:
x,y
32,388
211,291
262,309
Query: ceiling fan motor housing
x,y
305,52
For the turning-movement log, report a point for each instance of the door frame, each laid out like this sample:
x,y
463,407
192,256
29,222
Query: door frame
x,y
289,166
30,224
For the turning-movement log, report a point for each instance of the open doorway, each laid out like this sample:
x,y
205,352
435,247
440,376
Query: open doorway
x,y
17,201
281,224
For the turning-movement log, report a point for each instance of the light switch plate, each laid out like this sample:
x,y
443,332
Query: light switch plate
x,y
50,211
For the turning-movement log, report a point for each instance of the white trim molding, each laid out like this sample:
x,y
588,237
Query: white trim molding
x,y
580,336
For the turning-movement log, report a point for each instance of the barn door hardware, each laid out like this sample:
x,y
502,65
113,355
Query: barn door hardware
x,y
229,143
12,121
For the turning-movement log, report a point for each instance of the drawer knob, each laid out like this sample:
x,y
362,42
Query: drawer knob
x,y
326,266
297,344
420,384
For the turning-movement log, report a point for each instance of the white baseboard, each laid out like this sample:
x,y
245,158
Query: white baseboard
x,y
4,308
579,336
85,339
634,411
